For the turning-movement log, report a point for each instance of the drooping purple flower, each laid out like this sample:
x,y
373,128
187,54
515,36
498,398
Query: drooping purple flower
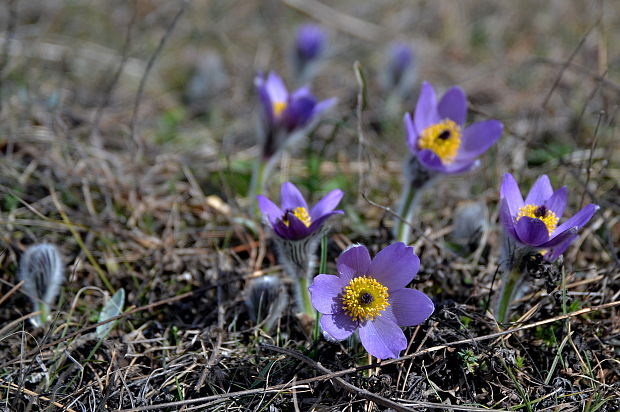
x,y
437,136
310,42
534,222
285,114
371,296
294,221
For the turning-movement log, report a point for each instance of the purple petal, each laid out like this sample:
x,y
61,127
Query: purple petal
x,y
395,266
510,191
326,204
323,106
295,229
559,238
324,293
298,112
410,307
557,202
478,137
382,337
354,261
507,219
276,88
319,222
338,325
412,134
540,192
578,220
557,251
426,108
453,105
266,103
430,160
269,209
461,166
292,197
531,231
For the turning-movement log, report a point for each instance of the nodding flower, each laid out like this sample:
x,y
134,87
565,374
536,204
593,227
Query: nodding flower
x,y
310,43
534,222
437,135
371,296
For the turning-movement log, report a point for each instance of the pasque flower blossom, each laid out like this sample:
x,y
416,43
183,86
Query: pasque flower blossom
x,y
400,70
295,220
534,222
436,134
310,42
371,296
284,115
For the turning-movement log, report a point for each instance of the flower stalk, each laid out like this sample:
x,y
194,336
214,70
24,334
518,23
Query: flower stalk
x,y
510,285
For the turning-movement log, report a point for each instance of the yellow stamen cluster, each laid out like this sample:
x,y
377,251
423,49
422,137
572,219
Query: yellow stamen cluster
x,y
300,213
540,212
364,298
443,138
278,108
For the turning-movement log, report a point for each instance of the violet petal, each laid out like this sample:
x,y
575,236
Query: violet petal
x,y
478,137
410,307
269,209
453,105
510,191
292,197
426,108
579,219
412,134
324,293
354,261
276,88
557,202
531,231
540,192
395,266
327,204
382,337
338,325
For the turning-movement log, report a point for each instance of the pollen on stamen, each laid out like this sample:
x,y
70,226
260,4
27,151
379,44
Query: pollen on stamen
x,y
278,108
364,298
443,139
542,213
300,213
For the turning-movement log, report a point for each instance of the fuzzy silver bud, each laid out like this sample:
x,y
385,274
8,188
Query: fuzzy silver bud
x,y
42,270
266,298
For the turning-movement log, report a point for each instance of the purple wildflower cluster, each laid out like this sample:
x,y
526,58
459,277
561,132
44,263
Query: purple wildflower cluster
x,y
370,296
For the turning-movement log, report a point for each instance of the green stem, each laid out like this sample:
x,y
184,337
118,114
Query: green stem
x,y
302,286
257,184
322,269
509,289
406,211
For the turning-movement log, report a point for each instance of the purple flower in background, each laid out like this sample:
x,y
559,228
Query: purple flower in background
x,y
534,222
370,296
293,221
437,136
285,114
310,42
400,66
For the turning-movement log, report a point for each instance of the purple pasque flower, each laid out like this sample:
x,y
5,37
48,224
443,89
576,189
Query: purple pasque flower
x,y
370,296
437,136
534,222
285,114
310,42
294,221
400,66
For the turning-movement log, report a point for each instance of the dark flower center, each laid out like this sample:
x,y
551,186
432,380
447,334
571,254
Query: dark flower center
x,y
366,298
445,135
541,211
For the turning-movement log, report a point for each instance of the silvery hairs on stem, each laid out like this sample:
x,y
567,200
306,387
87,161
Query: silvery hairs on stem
x,y
298,256
265,300
42,270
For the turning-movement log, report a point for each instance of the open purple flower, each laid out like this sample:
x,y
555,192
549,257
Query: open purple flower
x,y
437,136
310,42
284,114
370,296
293,221
534,222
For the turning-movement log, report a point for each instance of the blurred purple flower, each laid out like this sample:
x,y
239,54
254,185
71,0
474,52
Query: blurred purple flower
x,y
310,42
400,66
436,134
370,295
534,222
285,114
293,221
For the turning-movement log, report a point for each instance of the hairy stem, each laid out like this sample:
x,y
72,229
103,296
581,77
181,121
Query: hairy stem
x,y
510,285
406,211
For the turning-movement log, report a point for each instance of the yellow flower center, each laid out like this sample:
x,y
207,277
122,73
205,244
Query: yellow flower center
x,y
300,213
278,108
542,213
443,139
364,298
